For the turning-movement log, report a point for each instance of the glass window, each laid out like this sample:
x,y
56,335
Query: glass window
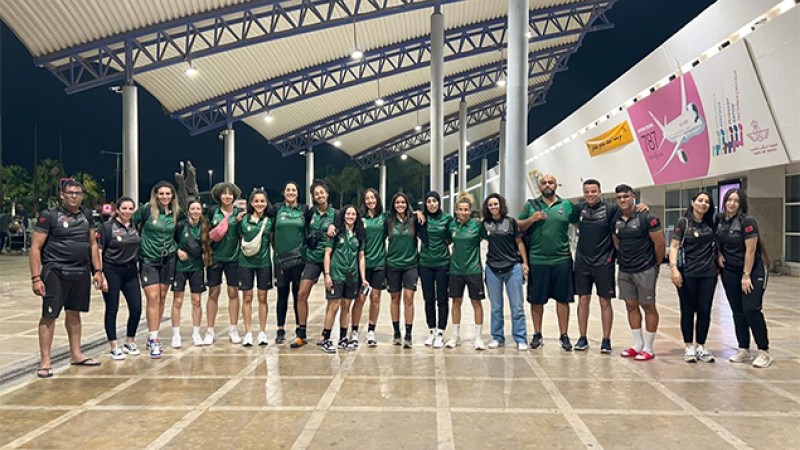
x,y
687,196
793,218
672,217
673,199
793,249
793,189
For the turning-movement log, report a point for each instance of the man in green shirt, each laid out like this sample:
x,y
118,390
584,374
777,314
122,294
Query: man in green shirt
x,y
546,219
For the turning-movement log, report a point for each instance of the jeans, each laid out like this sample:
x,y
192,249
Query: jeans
x,y
513,281
434,291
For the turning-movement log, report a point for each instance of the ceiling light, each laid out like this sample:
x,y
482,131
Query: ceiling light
x,y
501,82
337,143
191,71
467,143
417,127
268,117
357,54
380,101
404,157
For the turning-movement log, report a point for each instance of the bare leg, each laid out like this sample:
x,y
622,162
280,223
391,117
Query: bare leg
x,y
263,309
212,305
650,318
302,300
177,304
634,314
358,308
374,306
197,309
395,306
607,316
47,329
247,310
477,308
536,313
233,305
562,311
72,323
583,313
344,316
152,293
455,311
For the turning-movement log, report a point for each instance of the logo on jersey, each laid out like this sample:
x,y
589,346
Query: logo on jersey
x,y
654,222
749,229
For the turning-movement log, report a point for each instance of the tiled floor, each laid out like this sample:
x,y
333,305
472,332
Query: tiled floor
x,y
233,397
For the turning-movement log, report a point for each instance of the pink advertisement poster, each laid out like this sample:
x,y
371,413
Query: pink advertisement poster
x,y
671,128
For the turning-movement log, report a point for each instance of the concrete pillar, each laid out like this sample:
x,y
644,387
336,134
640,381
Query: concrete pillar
x,y
501,169
462,144
230,155
437,101
484,175
382,184
517,101
453,192
130,142
309,176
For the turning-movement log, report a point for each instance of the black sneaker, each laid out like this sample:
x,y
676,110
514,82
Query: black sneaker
x,y
605,346
565,343
407,341
280,338
328,346
537,341
581,345
298,342
397,339
343,341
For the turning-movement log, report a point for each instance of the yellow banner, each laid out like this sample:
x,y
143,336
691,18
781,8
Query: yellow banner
x,y
616,137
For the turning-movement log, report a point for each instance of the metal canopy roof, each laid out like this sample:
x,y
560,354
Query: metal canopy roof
x,y
290,60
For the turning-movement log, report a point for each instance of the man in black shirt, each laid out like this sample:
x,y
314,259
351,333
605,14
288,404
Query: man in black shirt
x,y
640,248
62,250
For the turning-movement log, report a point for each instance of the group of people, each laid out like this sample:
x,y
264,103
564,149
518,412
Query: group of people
x,y
361,251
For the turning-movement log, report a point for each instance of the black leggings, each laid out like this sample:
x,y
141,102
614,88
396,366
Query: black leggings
x,y
125,279
747,315
292,279
696,296
434,291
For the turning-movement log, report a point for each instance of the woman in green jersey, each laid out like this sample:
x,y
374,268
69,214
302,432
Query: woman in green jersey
x,y
401,264
434,267
344,266
465,268
255,263
194,254
287,242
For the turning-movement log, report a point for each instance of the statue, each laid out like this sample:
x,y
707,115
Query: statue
x,y
186,184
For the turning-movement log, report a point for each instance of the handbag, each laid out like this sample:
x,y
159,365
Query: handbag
x,y
251,247
290,259
218,232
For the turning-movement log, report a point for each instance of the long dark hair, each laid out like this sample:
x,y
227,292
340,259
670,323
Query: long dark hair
x,y
741,214
257,191
205,241
708,217
363,210
341,227
408,222
503,206
314,185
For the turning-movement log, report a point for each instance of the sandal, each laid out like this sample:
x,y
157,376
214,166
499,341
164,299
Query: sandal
x,y
44,372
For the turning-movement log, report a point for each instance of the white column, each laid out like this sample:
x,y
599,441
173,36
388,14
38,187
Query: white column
x,y
382,186
453,192
462,145
130,142
309,175
437,101
230,155
501,168
517,101
484,184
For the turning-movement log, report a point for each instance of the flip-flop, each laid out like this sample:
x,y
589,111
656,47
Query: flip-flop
x,y
44,372
87,362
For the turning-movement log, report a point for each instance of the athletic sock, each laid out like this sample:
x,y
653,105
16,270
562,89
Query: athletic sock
x,y
396,327
371,327
153,335
301,331
355,328
326,334
648,341
408,329
457,329
342,333
196,330
176,331
478,331
638,341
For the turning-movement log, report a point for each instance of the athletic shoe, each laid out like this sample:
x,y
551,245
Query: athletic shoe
x,y
496,344
407,341
155,348
197,340
479,345
704,355
233,335
353,344
741,356
209,339
431,337
522,346
371,342
537,341
397,339
262,338
763,360
116,354
438,341
453,342
248,340
343,342
298,342
629,353
582,344
644,356
605,346
566,345
280,338
689,355
176,341
131,349
328,346
320,341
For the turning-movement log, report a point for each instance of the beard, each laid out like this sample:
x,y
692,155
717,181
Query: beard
x,y
548,193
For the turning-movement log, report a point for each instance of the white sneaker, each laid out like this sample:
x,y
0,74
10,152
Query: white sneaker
x,y
247,341
689,355
371,342
495,344
262,338
704,355
522,346
209,339
116,354
453,342
233,335
763,360
176,341
741,356
438,341
131,349
479,345
431,337
197,340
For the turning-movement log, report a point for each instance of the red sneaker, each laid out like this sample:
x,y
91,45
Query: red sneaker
x,y
644,356
629,353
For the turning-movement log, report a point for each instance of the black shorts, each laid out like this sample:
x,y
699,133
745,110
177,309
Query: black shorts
x,y
214,273
602,277
158,273
262,276
399,279
196,282
546,281
457,283
65,291
342,290
376,277
312,271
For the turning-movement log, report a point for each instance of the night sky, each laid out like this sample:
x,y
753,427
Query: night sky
x,y
90,122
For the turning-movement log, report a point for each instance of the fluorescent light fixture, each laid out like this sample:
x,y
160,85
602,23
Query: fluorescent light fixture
x,y
356,54
191,71
268,118
404,157
417,127
337,143
380,101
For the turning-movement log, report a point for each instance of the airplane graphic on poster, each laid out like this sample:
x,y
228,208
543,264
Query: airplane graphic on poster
x,y
687,125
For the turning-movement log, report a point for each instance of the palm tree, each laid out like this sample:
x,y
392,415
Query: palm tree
x,y
92,195
46,179
17,184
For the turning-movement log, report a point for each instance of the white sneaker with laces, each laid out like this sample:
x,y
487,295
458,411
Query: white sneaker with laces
x,y
704,355
689,355
431,337
176,341
453,342
197,340
522,346
438,341
763,360
495,344
741,356
233,335
209,339
248,339
116,354
131,348
371,342
262,338
479,345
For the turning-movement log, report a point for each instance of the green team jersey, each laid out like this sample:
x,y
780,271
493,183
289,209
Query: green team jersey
x,y
550,238
193,264
437,252
318,226
375,247
466,238
402,251
344,260
249,227
227,249
158,234
289,226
